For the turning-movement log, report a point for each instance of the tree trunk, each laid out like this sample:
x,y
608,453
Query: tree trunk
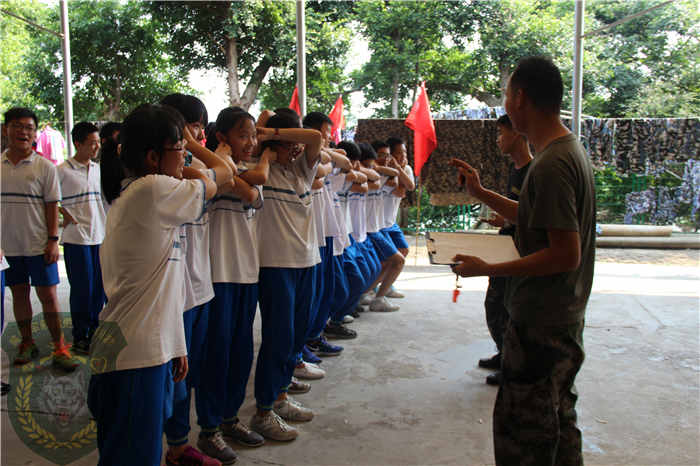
x,y
234,96
256,80
505,71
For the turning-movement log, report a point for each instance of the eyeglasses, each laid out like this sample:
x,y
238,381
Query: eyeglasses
x,y
294,147
177,149
19,127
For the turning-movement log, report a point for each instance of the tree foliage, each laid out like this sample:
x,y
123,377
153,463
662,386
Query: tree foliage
x,y
118,60
255,41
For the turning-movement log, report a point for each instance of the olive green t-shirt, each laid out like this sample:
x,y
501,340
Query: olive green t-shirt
x,y
558,193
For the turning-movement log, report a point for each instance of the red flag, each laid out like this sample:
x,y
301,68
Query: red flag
x,y
421,122
294,104
338,118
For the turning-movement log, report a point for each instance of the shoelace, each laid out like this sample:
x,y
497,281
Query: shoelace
x,y
218,440
242,427
280,423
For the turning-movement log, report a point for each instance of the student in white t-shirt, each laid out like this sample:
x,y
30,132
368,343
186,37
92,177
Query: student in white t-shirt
x,y
356,271
83,230
30,195
392,261
328,234
139,350
288,252
194,248
234,261
392,153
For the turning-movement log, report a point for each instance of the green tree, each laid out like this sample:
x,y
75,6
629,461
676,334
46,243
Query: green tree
x,y
328,40
405,39
118,60
648,66
19,41
255,42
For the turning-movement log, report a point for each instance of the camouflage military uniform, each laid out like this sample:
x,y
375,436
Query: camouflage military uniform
x,y
534,419
496,312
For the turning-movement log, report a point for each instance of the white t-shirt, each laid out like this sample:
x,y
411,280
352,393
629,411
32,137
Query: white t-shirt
x,y
358,215
318,202
339,184
233,246
197,255
374,207
187,290
331,224
286,227
142,273
26,189
391,202
82,198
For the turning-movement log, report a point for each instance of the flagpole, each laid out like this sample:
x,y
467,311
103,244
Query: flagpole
x,y
417,223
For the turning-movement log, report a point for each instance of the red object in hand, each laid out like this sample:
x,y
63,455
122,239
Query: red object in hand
x,y
455,293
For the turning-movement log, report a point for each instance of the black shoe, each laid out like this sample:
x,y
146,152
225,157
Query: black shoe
x,y
494,379
494,362
339,331
359,309
5,388
354,314
81,345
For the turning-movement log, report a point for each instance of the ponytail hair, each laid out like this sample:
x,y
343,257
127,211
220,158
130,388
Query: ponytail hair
x,y
147,128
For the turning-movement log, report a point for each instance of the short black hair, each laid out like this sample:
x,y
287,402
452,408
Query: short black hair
x,y
316,120
376,145
286,111
366,152
17,113
351,149
108,129
281,120
540,80
190,107
504,120
393,142
81,130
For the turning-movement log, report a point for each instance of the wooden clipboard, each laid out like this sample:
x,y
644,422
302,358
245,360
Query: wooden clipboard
x,y
489,247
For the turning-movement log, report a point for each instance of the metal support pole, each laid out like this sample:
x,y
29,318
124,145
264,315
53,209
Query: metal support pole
x,y
415,262
301,57
67,75
578,69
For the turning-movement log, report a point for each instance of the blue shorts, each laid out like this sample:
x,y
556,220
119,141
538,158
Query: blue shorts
x,y
383,245
22,268
396,236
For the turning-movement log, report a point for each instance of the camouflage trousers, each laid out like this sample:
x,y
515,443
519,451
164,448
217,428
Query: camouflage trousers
x,y
496,313
534,419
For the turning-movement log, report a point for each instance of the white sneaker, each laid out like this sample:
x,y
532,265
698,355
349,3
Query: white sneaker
x,y
372,293
348,319
272,427
394,293
292,410
309,372
382,305
365,300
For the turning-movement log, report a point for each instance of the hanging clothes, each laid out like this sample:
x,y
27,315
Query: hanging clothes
x,y
689,191
50,144
596,135
638,203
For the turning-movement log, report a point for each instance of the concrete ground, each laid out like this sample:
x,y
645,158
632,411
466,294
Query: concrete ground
x,y
408,390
